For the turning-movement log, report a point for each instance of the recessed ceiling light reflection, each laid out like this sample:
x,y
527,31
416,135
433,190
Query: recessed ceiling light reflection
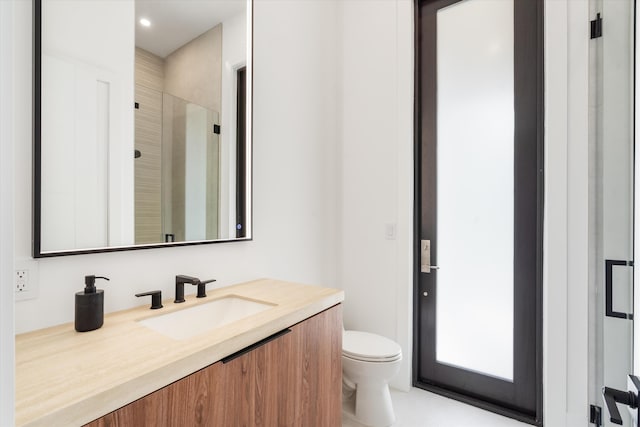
x,y
145,22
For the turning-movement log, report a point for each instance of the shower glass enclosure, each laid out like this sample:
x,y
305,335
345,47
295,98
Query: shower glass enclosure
x,y
177,171
612,171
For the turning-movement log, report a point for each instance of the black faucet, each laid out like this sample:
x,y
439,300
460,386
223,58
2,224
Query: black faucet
x,y
156,298
182,279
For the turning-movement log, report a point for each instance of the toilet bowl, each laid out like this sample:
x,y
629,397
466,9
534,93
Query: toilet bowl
x,y
369,361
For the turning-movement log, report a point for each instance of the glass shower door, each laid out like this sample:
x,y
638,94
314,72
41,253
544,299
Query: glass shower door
x,y
190,170
612,113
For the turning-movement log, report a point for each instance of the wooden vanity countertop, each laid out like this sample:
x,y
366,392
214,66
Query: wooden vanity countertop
x,y
67,378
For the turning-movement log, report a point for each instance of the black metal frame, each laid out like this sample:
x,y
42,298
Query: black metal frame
x,y
535,417
37,108
241,151
37,161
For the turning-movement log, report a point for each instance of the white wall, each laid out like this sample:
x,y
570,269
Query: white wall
x,y
6,216
377,170
565,282
295,214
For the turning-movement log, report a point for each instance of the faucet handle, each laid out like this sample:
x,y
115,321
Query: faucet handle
x,y
202,288
156,298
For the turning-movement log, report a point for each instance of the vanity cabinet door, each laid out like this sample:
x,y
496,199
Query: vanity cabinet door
x,y
187,402
299,376
293,380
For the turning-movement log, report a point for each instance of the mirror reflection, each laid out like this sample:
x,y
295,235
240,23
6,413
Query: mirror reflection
x,y
145,112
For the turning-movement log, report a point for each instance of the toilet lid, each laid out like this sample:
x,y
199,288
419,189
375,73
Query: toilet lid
x,y
369,347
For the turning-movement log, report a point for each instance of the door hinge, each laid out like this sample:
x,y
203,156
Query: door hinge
x,y
595,415
216,129
596,27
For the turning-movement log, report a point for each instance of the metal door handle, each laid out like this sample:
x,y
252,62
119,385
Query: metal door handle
x,y
608,283
613,396
629,397
425,257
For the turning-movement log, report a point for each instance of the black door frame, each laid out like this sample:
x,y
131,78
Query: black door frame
x,y
529,64
241,152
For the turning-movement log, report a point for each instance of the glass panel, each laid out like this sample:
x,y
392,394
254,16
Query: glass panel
x,y
612,109
474,326
190,171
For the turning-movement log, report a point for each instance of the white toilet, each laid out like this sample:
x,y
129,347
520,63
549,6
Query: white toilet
x,y
369,361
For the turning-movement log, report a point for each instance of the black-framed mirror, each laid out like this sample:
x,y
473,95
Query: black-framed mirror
x,y
142,124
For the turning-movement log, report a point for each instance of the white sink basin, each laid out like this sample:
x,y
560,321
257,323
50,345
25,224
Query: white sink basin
x,y
192,321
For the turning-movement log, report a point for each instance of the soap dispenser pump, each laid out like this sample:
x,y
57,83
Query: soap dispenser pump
x,y
90,305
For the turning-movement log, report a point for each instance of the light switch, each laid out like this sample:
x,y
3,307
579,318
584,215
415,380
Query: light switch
x,y
390,231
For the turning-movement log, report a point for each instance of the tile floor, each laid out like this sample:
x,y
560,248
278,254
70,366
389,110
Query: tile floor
x,y
419,408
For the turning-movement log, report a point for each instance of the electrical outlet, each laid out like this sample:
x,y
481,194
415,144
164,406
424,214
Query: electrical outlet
x,y
25,279
22,281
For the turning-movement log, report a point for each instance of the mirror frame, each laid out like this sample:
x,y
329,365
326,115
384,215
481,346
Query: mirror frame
x,y
37,153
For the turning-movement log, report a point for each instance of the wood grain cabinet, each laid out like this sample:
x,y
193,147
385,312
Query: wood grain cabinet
x,y
292,379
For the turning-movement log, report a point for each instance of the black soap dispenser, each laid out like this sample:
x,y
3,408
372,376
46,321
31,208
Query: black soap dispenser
x,y
90,305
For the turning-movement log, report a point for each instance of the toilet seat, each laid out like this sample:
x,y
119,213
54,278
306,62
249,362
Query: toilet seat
x,y
372,359
367,347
